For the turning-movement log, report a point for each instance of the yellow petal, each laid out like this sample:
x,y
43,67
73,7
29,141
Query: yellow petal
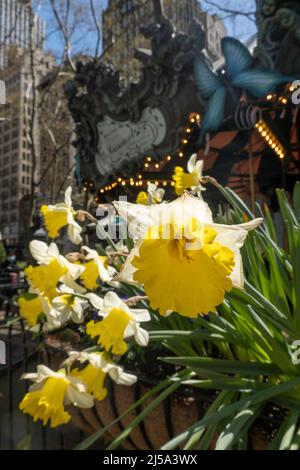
x,y
45,278
90,275
47,403
190,282
54,220
142,198
184,180
111,331
30,309
94,380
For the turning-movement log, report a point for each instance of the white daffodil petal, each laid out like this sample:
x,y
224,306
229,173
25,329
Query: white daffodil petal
x,y
140,314
78,398
199,168
68,196
234,236
53,251
128,270
191,165
141,336
39,251
95,300
118,375
74,231
112,300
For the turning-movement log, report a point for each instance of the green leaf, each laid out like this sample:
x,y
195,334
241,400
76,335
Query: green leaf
x,y
253,399
285,434
222,365
237,426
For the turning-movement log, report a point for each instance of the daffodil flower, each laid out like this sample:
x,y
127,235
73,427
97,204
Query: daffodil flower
x,y
33,306
119,322
191,180
50,393
67,306
95,268
185,261
154,195
62,214
95,372
53,268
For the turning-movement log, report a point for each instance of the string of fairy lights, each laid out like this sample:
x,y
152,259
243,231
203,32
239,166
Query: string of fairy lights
x,y
151,165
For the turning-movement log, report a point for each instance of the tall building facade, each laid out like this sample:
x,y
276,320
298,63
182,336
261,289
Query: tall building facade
x,y
121,30
15,27
15,151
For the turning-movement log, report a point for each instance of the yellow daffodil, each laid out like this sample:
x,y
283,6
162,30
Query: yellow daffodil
x,y
62,214
119,322
53,268
185,261
95,372
32,307
142,198
67,306
154,195
51,392
95,268
192,179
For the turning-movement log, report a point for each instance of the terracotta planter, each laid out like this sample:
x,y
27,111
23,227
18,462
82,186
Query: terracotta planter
x,y
170,418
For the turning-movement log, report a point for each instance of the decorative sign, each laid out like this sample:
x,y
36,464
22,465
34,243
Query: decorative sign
x,y
122,142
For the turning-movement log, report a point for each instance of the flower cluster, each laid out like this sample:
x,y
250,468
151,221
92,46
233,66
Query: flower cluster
x,y
183,262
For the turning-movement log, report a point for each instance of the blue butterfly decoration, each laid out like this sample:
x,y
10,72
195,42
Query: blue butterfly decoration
x,y
240,74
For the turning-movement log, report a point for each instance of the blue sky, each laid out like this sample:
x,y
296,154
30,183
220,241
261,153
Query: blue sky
x,y
84,40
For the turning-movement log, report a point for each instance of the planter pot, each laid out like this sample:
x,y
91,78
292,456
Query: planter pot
x,y
170,418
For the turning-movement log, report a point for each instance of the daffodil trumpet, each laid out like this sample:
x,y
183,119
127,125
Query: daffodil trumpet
x,y
51,393
60,215
118,323
184,260
97,366
192,180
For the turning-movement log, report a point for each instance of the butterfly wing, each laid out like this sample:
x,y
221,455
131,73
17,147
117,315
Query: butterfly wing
x,y
238,58
214,115
206,81
259,82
